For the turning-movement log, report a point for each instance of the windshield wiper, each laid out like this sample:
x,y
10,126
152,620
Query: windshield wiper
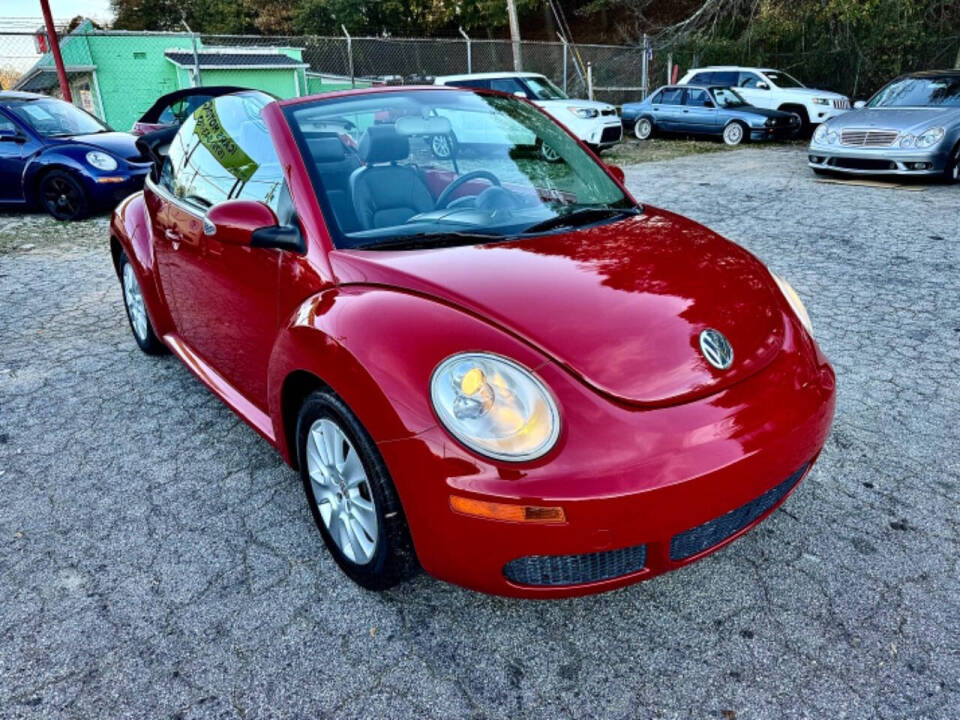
x,y
421,241
578,218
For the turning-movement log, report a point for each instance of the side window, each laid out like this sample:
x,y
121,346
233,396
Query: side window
x,y
749,80
698,98
224,152
727,78
672,96
508,85
484,84
7,127
703,78
657,99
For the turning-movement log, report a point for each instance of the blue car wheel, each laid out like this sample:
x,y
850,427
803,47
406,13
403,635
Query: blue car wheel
x,y
63,196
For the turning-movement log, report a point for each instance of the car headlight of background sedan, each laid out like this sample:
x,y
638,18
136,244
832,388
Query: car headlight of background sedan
x,y
584,113
795,302
821,101
495,406
929,138
101,160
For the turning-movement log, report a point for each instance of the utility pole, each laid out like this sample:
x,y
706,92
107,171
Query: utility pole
x,y
514,34
55,49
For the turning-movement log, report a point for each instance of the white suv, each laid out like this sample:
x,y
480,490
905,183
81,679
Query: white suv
x,y
595,123
773,89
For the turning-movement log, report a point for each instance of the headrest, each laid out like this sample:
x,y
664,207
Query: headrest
x,y
326,149
382,143
413,125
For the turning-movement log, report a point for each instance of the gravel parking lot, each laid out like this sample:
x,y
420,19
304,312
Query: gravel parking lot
x,y
157,559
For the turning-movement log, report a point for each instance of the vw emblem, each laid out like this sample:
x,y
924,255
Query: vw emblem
x,y
716,348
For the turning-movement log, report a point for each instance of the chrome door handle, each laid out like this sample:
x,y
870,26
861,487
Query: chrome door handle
x,y
172,235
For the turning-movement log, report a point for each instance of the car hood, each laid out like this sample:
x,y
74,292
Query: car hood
x,y
571,102
119,144
619,305
902,119
812,93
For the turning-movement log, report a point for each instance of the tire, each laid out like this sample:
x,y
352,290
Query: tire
x,y
806,129
63,196
643,129
547,152
735,133
351,496
951,173
443,147
140,324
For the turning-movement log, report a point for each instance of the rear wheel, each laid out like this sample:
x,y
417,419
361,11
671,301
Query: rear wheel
x,y
351,496
734,133
643,129
137,311
62,195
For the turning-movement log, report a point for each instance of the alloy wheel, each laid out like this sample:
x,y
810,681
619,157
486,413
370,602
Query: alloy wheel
x,y
643,129
733,134
441,146
134,302
61,197
342,491
548,153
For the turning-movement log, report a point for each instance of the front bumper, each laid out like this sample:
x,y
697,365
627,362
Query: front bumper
x,y
878,161
604,132
644,491
106,189
774,133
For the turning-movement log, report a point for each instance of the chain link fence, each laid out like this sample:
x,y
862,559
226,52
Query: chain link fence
x,y
117,75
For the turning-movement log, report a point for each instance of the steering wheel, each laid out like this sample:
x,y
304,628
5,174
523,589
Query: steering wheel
x,y
448,191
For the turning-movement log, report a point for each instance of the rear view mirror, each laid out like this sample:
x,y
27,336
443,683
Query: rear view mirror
x,y
617,172
249,223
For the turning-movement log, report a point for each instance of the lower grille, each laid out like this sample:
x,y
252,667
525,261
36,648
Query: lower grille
x,y
863,164
696,540
610,134
576,569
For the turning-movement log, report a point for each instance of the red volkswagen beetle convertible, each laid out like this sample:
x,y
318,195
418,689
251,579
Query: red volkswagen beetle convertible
x,y
498,368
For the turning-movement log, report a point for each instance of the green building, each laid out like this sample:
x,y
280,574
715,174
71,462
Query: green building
x,y
117,76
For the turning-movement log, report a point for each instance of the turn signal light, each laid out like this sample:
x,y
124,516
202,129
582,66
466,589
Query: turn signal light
x,y
506,511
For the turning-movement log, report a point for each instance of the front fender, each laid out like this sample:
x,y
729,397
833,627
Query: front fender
x,y
377,349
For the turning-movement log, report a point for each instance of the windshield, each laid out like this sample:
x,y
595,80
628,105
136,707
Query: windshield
x,y
781,79
50,117
726,97
544,89
919,92
431,165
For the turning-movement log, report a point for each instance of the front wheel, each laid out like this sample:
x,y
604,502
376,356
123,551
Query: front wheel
x,y
62,195
643,129
734,134
443,147
951,172
548,153
351,496
140,324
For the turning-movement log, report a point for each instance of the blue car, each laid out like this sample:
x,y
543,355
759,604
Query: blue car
x,y
58,157
702,110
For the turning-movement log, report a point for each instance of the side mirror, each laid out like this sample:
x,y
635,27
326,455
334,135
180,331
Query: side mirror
x,y
519,93
762,86
859,104
617,172
249,223
709,104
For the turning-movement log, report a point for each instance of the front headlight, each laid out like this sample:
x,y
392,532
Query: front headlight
x,y
795,302
825,136
929,138
584,113
495,406
101,160
907,141
821,101
819,133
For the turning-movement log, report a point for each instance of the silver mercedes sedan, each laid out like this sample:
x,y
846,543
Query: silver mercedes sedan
x,y
910,127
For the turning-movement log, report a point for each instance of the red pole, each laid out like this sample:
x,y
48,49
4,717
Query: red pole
x,y
55,49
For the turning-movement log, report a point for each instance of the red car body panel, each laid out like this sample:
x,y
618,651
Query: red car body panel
x,y
653,440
